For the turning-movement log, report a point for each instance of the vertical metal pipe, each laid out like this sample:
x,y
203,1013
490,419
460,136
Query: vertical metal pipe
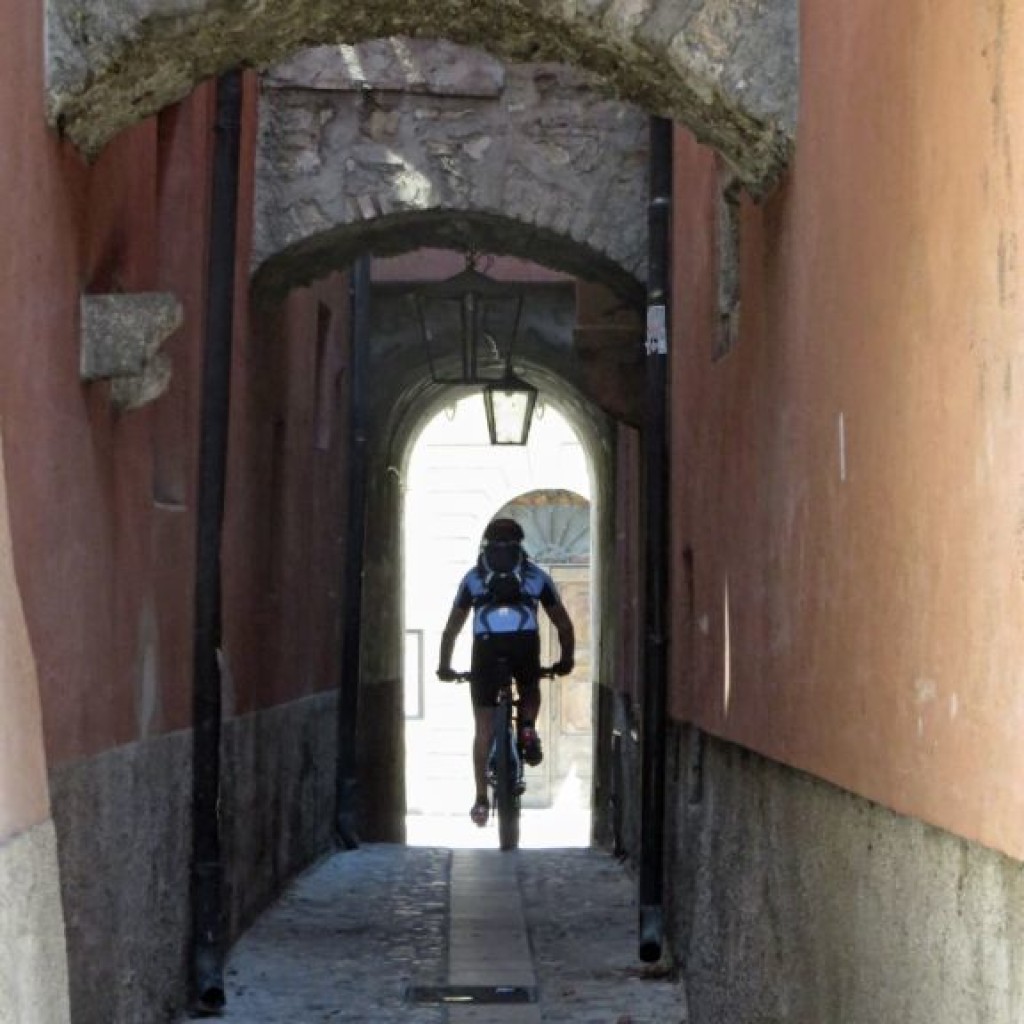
x,y
651,925
346,819
207,868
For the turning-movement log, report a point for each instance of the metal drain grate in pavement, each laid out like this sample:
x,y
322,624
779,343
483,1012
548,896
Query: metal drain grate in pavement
x,y
470,995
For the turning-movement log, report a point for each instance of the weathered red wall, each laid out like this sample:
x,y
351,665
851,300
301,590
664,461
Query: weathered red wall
x,y
76,474
30,266
866,624
102,503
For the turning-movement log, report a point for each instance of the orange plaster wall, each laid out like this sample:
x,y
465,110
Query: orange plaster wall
x,y
864,620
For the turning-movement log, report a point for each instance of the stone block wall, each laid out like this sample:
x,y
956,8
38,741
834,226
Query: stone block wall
x,y
33,970
278,800
403,155
124,835
794,902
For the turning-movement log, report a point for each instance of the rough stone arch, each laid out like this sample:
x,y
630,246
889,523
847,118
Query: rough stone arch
x,y
725,68
440,138
439,229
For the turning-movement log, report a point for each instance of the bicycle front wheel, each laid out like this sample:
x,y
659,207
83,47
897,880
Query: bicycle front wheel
x,y
506,797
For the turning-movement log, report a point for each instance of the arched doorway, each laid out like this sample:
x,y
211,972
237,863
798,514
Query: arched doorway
x,y
454,483
402,396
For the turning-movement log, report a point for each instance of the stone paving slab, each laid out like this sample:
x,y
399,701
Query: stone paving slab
x,y
488,943
350,938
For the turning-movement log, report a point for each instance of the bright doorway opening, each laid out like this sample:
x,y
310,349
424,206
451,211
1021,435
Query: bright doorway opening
x,y
455,483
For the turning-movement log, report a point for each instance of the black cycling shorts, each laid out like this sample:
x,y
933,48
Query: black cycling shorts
x,y
522,653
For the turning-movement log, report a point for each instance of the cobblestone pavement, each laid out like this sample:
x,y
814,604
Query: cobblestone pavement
x,y
581,912
350,939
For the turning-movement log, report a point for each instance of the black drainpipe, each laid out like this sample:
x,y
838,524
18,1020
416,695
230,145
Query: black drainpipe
x,y
207,867
346,831
656,558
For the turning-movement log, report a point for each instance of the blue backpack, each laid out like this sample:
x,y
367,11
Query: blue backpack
x,y
502,564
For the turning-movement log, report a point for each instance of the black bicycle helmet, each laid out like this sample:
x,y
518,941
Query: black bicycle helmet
x,y
503,531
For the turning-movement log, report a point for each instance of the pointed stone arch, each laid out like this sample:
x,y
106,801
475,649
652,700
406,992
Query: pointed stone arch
x,y
725,68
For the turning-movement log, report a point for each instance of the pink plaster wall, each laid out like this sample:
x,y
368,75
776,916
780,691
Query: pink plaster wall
x,y
848,479
102,502
437,264
43,413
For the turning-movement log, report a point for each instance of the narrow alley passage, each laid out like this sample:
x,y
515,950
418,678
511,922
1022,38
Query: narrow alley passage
x,y
391,933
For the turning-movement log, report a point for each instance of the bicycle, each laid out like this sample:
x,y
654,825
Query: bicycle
x,y
505,760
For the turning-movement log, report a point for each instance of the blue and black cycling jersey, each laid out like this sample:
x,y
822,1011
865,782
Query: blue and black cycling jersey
x,y
491,618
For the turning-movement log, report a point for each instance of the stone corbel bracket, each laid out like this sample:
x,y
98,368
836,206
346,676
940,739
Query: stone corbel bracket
x,y
121,339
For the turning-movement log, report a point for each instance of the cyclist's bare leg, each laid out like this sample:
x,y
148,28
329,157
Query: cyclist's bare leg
x,y
484,719
529,708
529,705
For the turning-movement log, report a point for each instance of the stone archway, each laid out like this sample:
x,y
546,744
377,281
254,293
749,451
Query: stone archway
x,y
728,70
401,397
424,141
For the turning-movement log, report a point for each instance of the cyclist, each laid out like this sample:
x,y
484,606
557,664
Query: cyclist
x,y
503,591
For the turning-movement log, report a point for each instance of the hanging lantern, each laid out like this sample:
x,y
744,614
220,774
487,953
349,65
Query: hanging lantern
x,y
470,321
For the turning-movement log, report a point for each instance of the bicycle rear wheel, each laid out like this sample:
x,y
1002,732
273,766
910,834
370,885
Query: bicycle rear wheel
x,y
505,795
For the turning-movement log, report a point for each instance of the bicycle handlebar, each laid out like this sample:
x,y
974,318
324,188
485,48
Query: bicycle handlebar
x,y
546,672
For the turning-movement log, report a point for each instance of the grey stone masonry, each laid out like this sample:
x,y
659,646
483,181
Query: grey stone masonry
x,y
121,338
794,901
33,964
725,68
388,145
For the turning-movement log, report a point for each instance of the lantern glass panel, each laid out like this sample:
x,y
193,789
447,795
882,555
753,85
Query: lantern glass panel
x,y
509,408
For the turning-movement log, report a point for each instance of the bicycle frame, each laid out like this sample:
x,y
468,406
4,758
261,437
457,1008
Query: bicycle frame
x,y
504,761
